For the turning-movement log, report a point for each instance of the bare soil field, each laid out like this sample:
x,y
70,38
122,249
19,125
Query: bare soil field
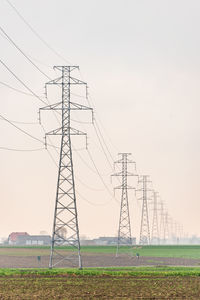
x,y
28,258
39,283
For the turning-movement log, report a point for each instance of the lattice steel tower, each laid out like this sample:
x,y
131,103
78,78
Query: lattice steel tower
x,y
143,189
124,230
162,222
166,227
65,224
155,239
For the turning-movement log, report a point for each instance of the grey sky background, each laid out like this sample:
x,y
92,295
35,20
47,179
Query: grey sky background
x,y
141,62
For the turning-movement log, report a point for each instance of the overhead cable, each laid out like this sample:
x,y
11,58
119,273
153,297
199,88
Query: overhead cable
x,y
26,132
21,150
23,131
22,82
17,90
20,122
106,187
22,52
36,34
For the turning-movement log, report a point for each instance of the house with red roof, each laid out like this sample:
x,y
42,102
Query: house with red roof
x,y
13,237
23,239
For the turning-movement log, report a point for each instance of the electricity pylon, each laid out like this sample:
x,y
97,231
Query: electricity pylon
x,y
65,224
171,230
124,230
144,190
162,222
166,227
155,231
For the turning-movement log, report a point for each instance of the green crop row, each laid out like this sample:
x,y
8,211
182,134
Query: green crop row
x,y
122,271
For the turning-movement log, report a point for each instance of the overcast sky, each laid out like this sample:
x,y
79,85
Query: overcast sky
x,y
141,62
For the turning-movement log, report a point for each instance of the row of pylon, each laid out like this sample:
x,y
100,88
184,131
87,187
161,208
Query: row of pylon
x,y
157,229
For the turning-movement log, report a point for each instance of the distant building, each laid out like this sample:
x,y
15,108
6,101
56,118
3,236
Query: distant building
x,y
87,242
34,240
104,241
24,239
13,237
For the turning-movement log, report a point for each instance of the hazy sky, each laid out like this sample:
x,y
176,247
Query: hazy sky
x,y
141,62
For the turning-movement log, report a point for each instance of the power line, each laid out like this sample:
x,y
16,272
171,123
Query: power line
x,y
21,150
25,123
106,133
103,148
48,101
14,89
26,56
87,186
22,52
101,144
77,178
9,38
104,141
91,203
101,176
22,82
26,133
85,163
22,130
80,195
36,34
88,100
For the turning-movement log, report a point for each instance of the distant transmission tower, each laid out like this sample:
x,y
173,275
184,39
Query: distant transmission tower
x,y
162,223
155,239
143,189
166,227
124,231
176,239
65,224
171,230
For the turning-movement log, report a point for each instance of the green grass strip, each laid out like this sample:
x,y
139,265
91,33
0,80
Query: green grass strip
x,y
131,271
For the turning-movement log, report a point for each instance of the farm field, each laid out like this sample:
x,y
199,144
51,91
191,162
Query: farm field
x,y
131,283
161,272
186,251
104,256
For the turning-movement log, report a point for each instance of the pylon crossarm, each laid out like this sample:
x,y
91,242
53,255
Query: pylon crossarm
x,y
66,68
130,187
57,131
117,174
54,81
55,106
76,81
76,106
74,131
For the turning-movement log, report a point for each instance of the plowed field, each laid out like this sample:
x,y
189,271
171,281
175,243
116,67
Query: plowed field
x,y
71,286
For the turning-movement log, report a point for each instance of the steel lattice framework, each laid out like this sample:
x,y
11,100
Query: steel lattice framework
x,y
124,231
162,222
155,238
65,224
143,189
166,227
